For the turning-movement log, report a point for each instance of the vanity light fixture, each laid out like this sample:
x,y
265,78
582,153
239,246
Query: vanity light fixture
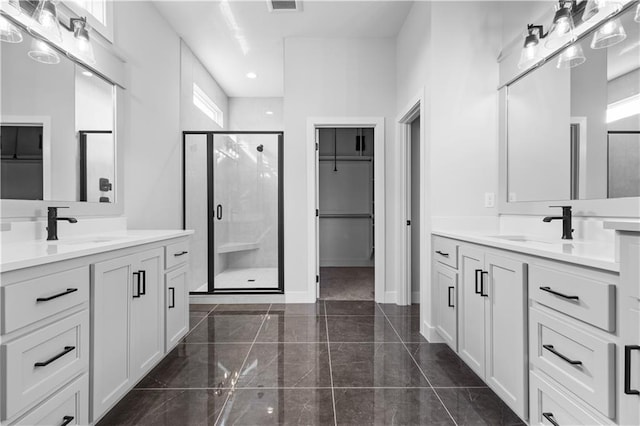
x,y
609,34
81,34
561,30
9,33
600,8
529,54
46,14
571,57
40,51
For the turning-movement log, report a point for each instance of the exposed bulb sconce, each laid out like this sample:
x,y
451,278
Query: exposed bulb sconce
x,y
81,34
571,57
600,8
561,31
46,14
9,33
609,34
40,51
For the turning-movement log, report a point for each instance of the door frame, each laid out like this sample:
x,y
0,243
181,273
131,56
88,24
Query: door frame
x,y
415,108
211,209
377,123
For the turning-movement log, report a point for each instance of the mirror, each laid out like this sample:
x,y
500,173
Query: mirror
x,y
57,129
574,134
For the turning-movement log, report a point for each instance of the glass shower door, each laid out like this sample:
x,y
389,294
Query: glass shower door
x,y
245,231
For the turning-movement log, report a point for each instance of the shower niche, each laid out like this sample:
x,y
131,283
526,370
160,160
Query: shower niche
x,y
233,201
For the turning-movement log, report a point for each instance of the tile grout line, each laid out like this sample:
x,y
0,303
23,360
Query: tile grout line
x,y
233,388
417,365
333,394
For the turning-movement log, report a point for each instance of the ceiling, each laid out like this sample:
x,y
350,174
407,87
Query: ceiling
x,y
234,37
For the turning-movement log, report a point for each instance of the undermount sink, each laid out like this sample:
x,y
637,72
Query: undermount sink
x,y
521,239
87,240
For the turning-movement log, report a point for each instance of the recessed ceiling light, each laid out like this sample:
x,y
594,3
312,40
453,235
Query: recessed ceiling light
x,y
269,112
252,75
87,73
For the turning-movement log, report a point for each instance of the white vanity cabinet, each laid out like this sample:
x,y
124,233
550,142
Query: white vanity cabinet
x,y
445,280
176,293
128,323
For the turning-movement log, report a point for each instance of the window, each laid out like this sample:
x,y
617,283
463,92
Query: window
x,y
99,14
97,8
206,105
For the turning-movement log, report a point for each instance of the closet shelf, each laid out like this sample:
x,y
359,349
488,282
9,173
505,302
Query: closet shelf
x,y
344,158
345,216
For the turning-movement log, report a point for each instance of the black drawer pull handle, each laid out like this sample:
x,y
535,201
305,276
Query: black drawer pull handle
x,y
477,281
173,297
66,350
143,275
55,296
482,284
555,293
66,420
442,253
450,304
182,253
549,417
558,354
627,369
137,275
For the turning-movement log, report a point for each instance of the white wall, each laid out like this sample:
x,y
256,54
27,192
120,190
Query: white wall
x,y
448,51
330,78
151,138
251,114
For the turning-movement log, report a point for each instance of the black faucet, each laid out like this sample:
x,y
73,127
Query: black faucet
x,y
52,222
566,221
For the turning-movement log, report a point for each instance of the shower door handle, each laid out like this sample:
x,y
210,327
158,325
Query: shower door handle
x,y
219,212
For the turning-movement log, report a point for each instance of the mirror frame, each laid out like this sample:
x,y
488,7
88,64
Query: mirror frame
x,y
604,207
111,67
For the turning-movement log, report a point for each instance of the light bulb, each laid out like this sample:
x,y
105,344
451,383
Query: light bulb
x,y
9,33
46,14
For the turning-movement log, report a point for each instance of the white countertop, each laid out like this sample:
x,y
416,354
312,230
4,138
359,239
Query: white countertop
x,y
623,225
594,254
33,253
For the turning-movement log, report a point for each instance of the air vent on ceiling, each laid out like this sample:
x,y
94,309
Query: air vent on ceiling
x,y
284,5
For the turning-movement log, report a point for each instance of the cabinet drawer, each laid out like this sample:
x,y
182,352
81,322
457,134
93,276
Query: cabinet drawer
x,y
176,254
70,405
29,301
548,401
578,360
445,251
38,363
585,299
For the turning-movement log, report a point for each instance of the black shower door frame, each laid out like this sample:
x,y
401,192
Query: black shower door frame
x,y
211,211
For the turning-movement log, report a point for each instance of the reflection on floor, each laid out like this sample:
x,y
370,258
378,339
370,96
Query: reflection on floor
x,y
333,362
245,278
347,283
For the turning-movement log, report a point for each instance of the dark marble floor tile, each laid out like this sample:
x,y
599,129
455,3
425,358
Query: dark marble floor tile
x,y
198,366
335,307
226,328
241,309
297,308
166,407
279,407
195,319
200,307
442,366
473,406
393,309
389,407
360,328
287,365
293,328
408,327
374,365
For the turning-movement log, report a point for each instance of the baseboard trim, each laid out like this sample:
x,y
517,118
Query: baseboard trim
x,y
415,297
300,297
429,332
390,297
346,263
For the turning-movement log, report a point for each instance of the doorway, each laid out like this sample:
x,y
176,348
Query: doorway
x,y
346,205
413,198
233,202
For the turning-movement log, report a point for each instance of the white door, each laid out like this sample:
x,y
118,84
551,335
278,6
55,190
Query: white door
x,y
446,281
111,298
408,216
506,369
471,306
147,312
317,213
177,306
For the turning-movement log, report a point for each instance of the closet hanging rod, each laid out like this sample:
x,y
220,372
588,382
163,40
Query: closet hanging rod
x,y
345,158
346,216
